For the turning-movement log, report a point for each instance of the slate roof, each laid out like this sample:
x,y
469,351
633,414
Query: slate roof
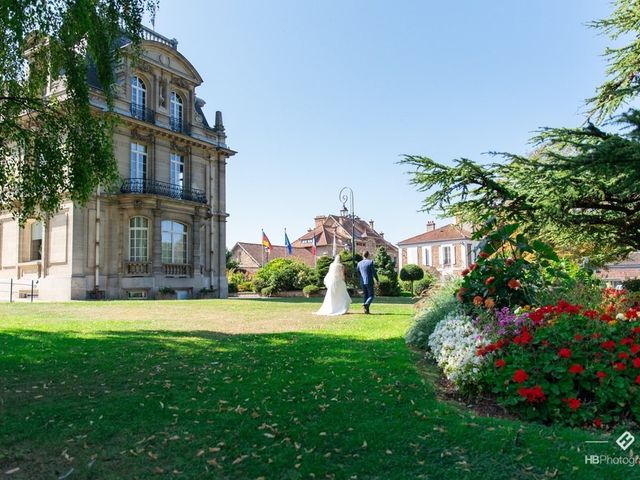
x,y
441,234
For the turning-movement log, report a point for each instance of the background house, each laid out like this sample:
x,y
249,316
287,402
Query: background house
x,y
163,225
251,256
333,232
616,273
444,251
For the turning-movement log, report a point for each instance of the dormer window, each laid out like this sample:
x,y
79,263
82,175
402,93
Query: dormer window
x,y
176,113
138,98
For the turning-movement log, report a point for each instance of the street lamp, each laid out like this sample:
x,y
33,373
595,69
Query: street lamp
x,y
344,197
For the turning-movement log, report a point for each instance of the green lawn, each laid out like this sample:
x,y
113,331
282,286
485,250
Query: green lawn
x,y
248,389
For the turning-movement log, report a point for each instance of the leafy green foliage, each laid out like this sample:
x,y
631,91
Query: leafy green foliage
x,y
633,284
282,274
387,287
411,273
420,287
440,302
350,273
386,267
53,149
322,267
310,290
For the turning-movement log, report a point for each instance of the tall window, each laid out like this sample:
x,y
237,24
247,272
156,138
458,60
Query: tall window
x,y
446,256
175,112
174,242
138,167
138,98
426,256
177,171
36,241
138,239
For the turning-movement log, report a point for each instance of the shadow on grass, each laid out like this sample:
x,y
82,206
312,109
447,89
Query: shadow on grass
x,y
355,300
123,404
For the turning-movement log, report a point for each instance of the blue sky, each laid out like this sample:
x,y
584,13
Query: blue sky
x,y
317,95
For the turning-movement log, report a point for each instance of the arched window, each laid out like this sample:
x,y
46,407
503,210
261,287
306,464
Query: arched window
x,y
138,239
175,112
138,98
174,242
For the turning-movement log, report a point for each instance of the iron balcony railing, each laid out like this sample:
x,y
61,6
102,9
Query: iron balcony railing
x,y
142,113
154,187
177,125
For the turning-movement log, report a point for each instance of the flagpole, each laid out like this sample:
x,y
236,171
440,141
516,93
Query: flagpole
x,y
262,246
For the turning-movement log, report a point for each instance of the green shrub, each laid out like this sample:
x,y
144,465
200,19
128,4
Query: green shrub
x,y
387,287
233,287
421,286
633,284
440,302
310,290
350,274
411,273
282,274
322,268
166,291
246,286
267,291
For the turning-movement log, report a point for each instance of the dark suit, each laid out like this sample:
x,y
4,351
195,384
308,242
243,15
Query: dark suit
x,y
367,274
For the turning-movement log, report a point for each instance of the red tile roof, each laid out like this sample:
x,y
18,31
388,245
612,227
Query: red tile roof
x,y
254,250
441,234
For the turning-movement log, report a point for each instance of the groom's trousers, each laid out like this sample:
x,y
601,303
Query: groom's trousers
x,y
367,293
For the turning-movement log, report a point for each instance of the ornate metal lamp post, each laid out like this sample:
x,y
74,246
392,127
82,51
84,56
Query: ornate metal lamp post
x,y
344,198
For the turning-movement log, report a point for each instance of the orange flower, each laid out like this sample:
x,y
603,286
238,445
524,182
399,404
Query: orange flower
x,y
514,284
483,255
489,303
489,280
477,300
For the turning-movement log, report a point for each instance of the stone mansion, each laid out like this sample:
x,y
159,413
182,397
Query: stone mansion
x,y
163,226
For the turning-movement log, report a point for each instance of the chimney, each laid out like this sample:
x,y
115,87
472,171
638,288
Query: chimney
x,y
431,226
382,234
319,220
219,126
371,224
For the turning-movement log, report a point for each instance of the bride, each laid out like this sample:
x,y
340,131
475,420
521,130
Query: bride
x,y
337,299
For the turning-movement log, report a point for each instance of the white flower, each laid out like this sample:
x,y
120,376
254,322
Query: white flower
x,y
454,343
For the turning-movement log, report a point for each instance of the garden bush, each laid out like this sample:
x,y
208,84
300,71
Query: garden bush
x,y
421,286
281,274
310,290
440,302
411,273
233,287
386,267
246,286
267,291
632,285
387,287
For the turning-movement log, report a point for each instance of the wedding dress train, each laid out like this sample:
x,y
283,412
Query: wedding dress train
x,y
337,299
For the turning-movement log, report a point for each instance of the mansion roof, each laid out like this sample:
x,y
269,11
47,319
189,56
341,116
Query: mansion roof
x,y
448,232
255,250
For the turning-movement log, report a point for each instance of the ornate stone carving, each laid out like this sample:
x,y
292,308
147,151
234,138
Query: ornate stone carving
x,y
135,133
180,82
179,148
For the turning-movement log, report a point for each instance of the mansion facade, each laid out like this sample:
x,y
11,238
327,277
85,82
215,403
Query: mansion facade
x,y
163,226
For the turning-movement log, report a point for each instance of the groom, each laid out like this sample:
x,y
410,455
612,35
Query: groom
x,y
367,274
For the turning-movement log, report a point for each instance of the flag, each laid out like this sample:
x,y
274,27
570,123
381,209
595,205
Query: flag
x,y
335,250
266,243
314,245
287,243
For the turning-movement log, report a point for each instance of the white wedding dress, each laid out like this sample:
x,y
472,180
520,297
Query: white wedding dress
x,y
337,299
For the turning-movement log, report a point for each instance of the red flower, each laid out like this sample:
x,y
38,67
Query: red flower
x,y
635,348
619,366
500,363
576,368
600,374
473,266
465,272
638,379
514,284
489,280
524,337
623,355
632,313
573,403
606,318
596,335
483,255
520,376
608,345
564,353
592,314
636,362
597,422
532,395
626,341
477,300
578,337
636,330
